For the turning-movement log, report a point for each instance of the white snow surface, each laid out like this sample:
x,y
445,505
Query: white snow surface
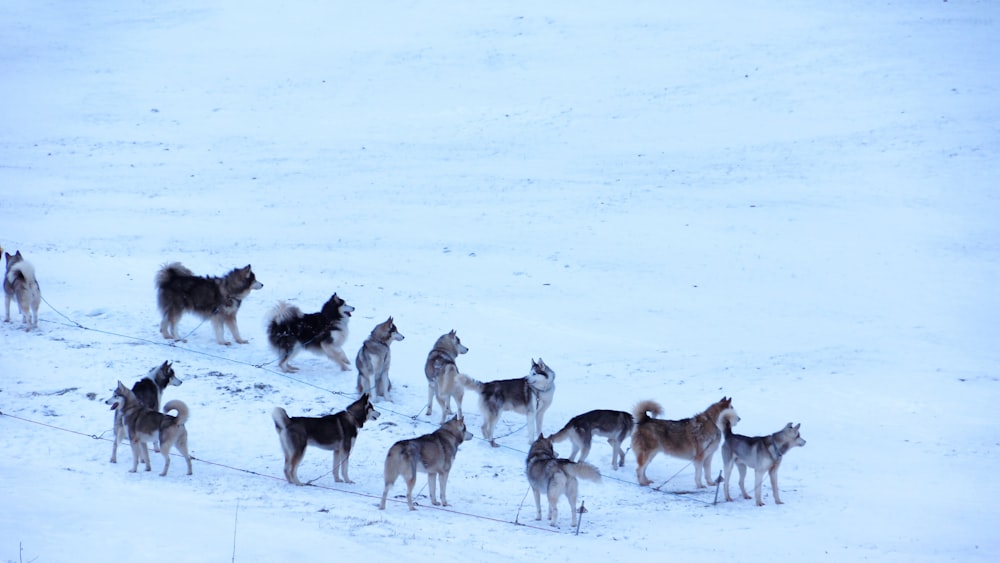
x,y
792,203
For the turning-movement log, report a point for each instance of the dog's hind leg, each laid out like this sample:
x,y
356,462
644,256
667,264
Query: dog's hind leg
x,y
182,446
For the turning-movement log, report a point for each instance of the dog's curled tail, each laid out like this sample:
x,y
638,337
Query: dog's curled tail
x,y
584,470
23,270
283,312
644,409
728,419
180,407
281,419
469,383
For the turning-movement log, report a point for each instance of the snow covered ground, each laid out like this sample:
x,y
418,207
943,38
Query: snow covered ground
x,y
788,203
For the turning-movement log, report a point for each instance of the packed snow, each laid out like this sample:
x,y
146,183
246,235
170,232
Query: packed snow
x,y
790,203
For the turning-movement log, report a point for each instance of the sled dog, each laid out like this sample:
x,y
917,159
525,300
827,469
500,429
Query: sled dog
x,y
20,284
336,432
289,330
148,391
214,298
762,453
555,477
432,454
442,374
580,430
147,425
530,395
695,438
373,359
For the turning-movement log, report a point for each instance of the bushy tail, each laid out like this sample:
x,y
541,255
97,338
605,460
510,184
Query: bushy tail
x,y
728,419
170,271
180,407
584,470
470,383
283,312
281,419
23,270
645,408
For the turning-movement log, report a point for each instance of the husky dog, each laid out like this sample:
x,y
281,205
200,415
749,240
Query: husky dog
x,y
442,374
530,395
373,359
763,453
336,432
148,391
218,299
289,330
431,453
555,477
580,430
147,425
19,283
694,439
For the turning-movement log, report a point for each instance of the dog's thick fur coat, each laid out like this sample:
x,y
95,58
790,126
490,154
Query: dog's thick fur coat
x,y
290,330
530,395
695,439
217,299
581,429
432,454
763,453
20,284
555,477
147,425
442,374
374,357
148,391
337,432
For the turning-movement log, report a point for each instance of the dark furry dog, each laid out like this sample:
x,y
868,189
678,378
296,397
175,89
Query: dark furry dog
x,y
581,429
148,391
336,432
218,299
289,330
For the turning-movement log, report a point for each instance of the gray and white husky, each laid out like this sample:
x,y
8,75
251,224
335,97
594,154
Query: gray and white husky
x,y
147,425
580,431
763,453
20,284
555,477
148,391
442,374
432,454
373,359
530,395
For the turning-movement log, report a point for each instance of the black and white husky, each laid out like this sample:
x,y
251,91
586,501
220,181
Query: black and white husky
x,y
530,395
289,330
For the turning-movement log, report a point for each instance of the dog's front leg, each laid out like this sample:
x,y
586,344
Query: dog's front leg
x,y
774,484
220,337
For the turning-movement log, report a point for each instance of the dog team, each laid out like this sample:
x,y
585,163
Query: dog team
x,y
289,330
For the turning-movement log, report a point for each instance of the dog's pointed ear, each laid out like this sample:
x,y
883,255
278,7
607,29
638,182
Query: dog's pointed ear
x,y
452,333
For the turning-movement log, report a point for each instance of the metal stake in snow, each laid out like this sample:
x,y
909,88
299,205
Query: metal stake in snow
x,y
718,483
579,519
